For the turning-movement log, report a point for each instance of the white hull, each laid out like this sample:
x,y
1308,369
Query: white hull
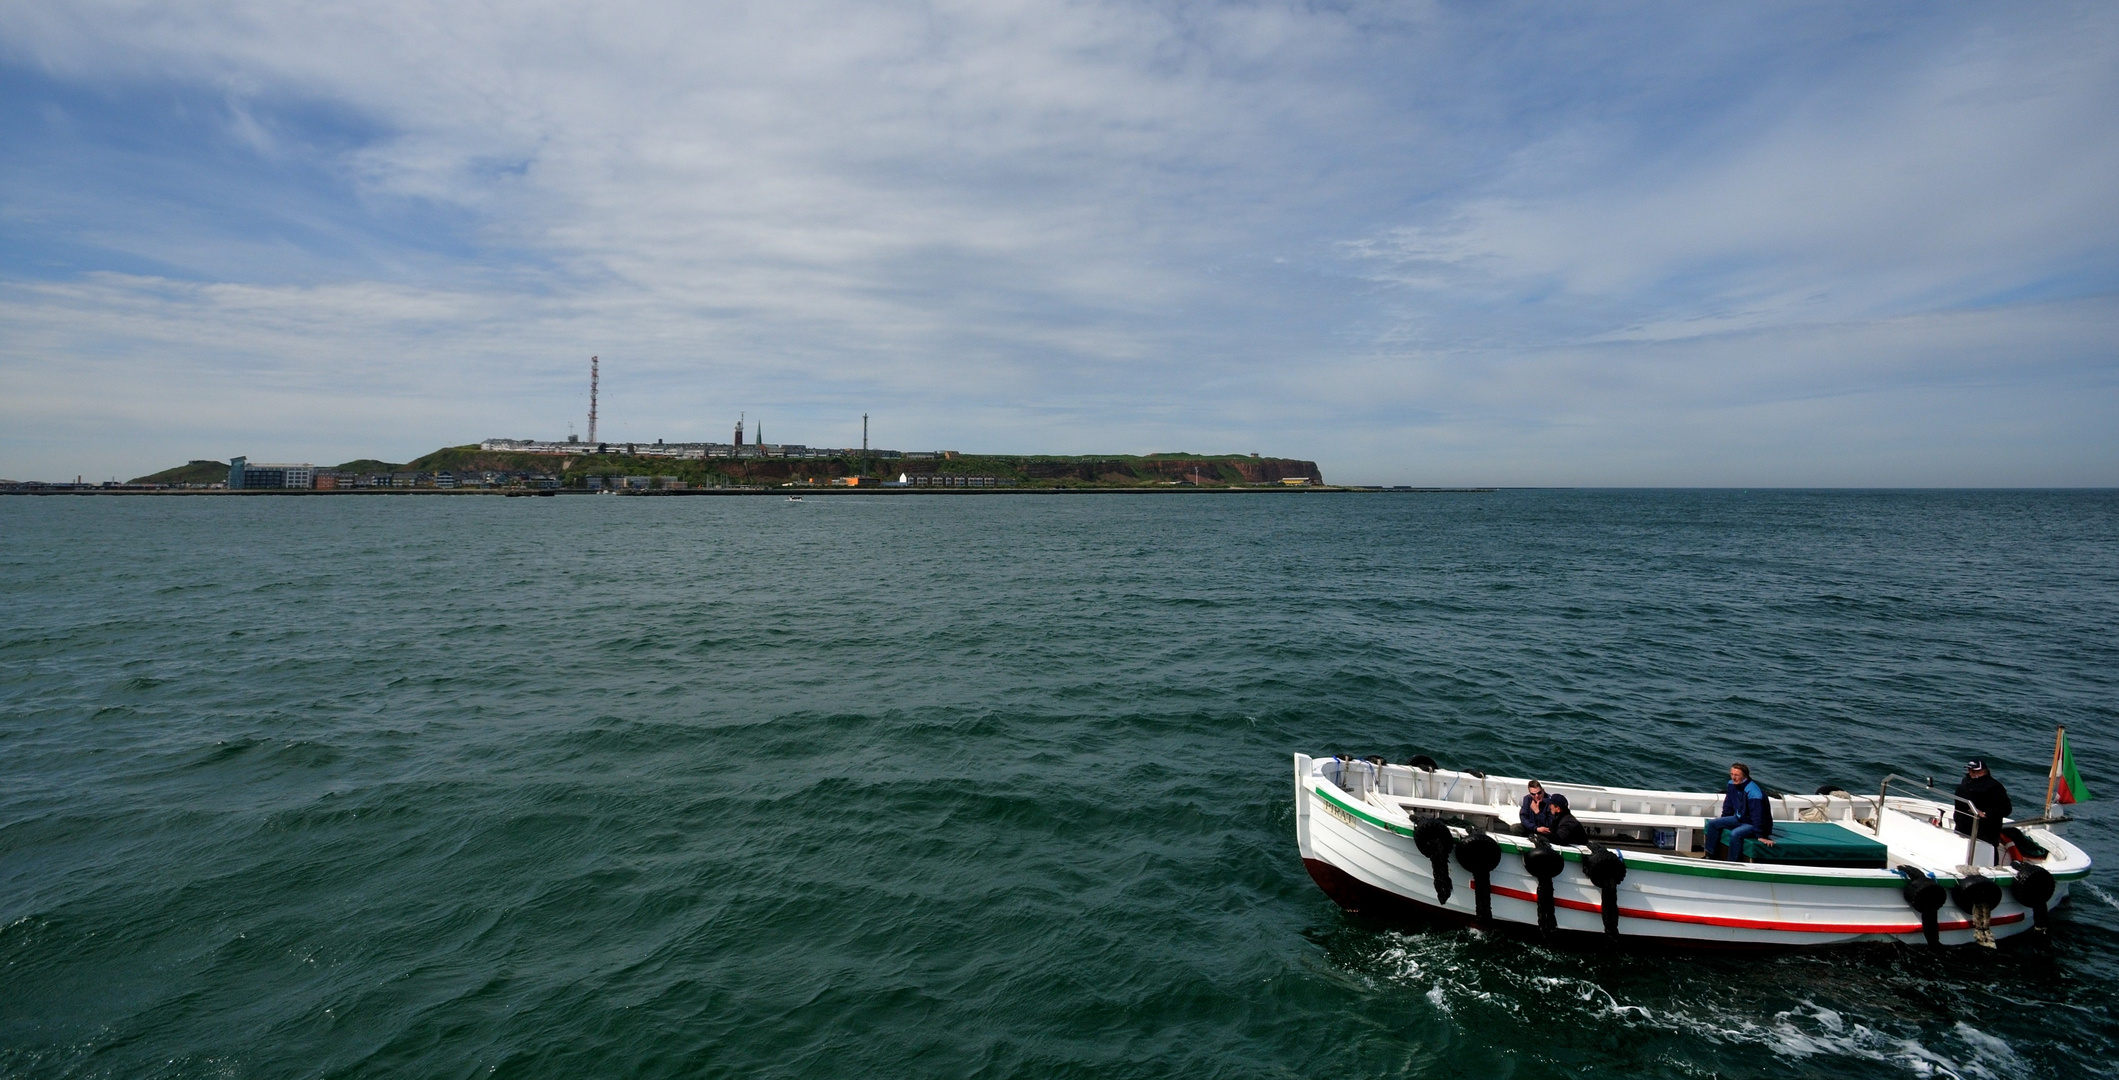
x,y
1358,844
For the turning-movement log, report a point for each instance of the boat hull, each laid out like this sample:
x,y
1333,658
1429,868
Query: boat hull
x,y
1368,863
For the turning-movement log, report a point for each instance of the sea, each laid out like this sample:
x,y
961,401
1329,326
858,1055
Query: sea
x,y
990,785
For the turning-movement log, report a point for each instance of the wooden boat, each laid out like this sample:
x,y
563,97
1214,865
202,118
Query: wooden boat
x,y
1387,840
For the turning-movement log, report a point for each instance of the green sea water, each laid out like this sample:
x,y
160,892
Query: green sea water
x,y
987,786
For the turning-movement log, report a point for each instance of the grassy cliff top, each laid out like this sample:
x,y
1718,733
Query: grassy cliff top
x,y
1035,470
191,472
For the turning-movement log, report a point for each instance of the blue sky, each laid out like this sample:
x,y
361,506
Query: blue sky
x,y
1450,243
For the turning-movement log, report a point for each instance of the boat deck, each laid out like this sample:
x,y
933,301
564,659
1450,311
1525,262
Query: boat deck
x,y
1669,824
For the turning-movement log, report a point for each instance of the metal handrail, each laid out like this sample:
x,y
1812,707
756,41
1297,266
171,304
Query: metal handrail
x,y
1883,791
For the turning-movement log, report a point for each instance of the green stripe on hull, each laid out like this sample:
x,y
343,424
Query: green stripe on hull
x,y
1880,879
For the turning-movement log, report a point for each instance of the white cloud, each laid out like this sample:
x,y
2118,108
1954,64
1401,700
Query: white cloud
x,y
1975,170
1385,237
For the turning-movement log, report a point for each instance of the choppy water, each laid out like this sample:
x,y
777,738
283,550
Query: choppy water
x,y
992,786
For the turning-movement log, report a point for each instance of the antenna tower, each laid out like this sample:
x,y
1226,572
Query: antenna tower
x,y
864,433
592,399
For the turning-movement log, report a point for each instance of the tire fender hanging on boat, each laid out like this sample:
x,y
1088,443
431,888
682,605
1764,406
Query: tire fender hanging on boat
x,y
2033,889
1434,840
1979,895
1480,854
1923,894
1545,864
1606,868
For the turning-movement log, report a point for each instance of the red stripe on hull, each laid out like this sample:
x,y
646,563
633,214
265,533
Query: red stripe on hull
x,y
1363,898
1760,924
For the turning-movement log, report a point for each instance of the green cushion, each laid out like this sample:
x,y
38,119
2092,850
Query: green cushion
x,y
1819,843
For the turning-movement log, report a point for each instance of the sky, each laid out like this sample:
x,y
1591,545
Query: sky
x,y
1456,243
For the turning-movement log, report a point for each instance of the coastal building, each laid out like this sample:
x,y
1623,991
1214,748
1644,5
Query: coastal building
x,y
243,474
700,451
945,481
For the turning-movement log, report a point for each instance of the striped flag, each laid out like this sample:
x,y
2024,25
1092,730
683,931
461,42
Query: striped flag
x,y
2067,783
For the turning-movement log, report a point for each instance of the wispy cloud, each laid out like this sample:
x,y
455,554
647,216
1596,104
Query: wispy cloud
x,y
1394,238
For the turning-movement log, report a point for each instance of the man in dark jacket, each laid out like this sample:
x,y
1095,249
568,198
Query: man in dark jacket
x,y
1536,811
1565,828
1745,814
1987,796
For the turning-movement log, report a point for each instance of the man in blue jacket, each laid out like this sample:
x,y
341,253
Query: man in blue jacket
x,y
1745,814
1536,811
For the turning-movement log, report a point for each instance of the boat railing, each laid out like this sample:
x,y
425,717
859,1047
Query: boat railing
x,y
1883,792
1366,780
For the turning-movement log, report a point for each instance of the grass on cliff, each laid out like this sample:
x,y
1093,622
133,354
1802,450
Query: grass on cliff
x,y
1027,470
192,472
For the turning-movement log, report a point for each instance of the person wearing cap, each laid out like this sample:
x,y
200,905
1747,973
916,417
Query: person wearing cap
x,y
1537,810
1988,797
1565,828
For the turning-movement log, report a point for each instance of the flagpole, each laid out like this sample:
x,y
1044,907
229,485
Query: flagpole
x,y
2052,775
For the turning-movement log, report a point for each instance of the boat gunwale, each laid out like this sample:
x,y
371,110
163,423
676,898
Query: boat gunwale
x,y
1657,862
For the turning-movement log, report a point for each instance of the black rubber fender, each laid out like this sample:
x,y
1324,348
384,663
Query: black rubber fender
x,y
2034,889
1479,854
1545,864
1606,868
1926,896
1977,891
1434,840
1422,762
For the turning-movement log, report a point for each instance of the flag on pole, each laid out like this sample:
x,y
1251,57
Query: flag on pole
x,y
2067,783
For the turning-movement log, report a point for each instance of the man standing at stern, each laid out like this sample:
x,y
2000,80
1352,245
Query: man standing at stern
x,y
1988,797
1745,815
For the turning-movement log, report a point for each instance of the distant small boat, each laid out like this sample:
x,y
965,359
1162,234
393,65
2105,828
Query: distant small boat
x,y
1379,839
794,498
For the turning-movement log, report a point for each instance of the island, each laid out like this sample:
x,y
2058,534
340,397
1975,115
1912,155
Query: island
x,y
700,468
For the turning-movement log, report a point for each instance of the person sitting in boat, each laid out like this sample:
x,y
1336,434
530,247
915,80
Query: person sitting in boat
x,y
1745,815
1565,828
1537,810
1988,797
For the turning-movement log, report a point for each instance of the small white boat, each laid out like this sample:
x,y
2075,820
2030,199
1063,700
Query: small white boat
x,y
1389,840
794,498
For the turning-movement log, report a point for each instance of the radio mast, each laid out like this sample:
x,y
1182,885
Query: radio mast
x,y
592,401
